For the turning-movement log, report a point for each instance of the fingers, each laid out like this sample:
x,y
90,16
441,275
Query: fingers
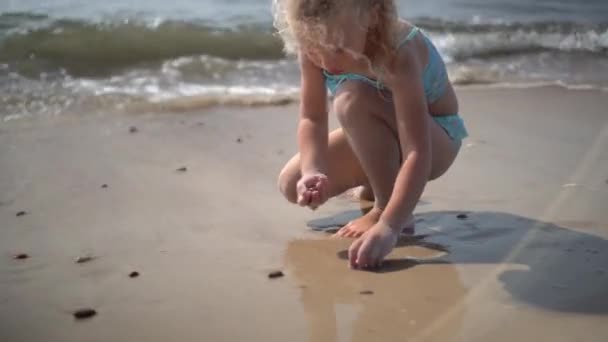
x,y
314,181
304,198
376,258
364,259
315,199
353,253
313,191
322,187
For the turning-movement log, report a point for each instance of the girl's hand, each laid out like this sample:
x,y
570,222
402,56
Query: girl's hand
x,y
313,190
373,246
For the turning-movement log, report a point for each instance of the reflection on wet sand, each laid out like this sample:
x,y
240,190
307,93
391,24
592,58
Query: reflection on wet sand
x,y
402,303
420,294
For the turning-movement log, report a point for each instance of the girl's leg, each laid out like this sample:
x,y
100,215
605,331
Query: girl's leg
x,y
370,127
344,170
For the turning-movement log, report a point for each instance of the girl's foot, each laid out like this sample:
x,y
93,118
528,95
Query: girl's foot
x,y
356,228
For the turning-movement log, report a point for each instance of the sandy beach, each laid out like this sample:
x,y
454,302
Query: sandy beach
x,y
511,244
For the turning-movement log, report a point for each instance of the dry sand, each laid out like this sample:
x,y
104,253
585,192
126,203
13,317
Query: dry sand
x,y
530,263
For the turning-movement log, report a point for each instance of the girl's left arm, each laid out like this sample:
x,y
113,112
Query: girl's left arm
x,y
413,126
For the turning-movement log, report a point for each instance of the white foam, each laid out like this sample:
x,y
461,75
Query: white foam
x,y
12,117
454,46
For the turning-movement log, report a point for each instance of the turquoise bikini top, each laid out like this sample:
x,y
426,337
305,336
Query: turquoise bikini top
x,y
434,77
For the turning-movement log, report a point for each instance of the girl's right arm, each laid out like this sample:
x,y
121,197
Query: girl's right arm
x,y
313,124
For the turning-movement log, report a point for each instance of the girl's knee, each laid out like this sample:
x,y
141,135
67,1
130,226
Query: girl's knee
x,y
351,101
287,181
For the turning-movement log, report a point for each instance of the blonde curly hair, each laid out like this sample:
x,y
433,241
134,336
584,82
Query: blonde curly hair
x,y
304,23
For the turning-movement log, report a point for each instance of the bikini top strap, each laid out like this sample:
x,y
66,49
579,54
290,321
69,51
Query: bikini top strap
x,y
409,37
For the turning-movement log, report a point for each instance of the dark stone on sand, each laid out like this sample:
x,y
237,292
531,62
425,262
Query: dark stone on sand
x,y
21,213
84,313
133,129
239,140
104,186
84,259
462,216
134,274
21,256
275,274
367,292
182,169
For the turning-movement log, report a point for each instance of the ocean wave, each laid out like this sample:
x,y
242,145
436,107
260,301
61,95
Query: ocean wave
x,y
97,49
33,44
460,41
50,65
497,44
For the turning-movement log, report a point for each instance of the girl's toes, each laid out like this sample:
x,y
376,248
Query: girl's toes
x,y
358,234
342,232
351,233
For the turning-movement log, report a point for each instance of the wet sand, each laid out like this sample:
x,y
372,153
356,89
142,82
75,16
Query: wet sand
x,y
529,261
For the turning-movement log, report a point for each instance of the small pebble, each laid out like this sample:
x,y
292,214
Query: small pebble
x,y
239,140
134,274
276,274
182,169
84,313
200,124
84,259
367,292
105,186
21,213
133,129
462,216
21,256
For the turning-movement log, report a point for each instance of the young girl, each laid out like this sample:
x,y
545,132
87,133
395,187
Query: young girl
x,y
395,104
